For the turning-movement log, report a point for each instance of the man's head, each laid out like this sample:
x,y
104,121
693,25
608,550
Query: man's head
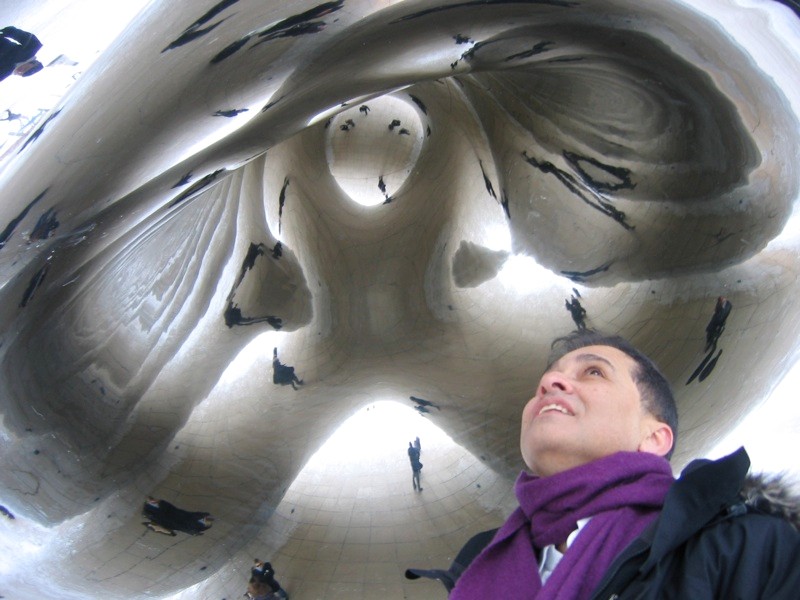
x,y
599,395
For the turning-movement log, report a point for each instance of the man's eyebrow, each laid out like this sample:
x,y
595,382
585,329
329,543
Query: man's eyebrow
x,y
589,357
583,358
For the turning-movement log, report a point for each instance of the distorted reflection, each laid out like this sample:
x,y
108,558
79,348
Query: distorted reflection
x,y
392,208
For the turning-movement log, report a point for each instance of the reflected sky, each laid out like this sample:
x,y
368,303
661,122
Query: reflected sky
x,y
378,435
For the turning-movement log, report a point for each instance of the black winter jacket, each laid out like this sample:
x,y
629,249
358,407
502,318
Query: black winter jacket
x,y
16,46
721,535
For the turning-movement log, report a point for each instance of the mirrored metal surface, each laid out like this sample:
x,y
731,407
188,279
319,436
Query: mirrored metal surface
x,y
258,247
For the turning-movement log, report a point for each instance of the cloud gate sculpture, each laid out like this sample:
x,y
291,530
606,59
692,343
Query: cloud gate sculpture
x,y
395,198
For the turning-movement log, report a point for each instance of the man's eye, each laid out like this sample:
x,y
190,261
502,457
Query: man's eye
x,y
594,371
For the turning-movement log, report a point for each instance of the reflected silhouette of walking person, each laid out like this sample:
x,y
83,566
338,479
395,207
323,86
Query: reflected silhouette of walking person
x,y
283,374
716,325
577,311
416,466
164,517
421,402
233,316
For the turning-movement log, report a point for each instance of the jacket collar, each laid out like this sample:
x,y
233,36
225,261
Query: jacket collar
x,y
703,490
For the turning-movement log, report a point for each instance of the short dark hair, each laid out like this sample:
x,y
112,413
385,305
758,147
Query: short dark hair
x,y
656,393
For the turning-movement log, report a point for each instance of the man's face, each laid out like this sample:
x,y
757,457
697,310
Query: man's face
x,y
587,406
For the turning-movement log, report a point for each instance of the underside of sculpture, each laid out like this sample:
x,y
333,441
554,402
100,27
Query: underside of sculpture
x,y
395,199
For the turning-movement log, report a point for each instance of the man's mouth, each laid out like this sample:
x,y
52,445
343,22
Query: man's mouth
x,y
554,407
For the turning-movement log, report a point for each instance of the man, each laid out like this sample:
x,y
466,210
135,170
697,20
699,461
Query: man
x,y
716,325
262,584
18,50
416,466
600,515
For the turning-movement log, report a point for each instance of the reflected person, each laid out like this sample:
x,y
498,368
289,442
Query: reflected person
x,y
416,465
164,517
283,374
262,584
18,50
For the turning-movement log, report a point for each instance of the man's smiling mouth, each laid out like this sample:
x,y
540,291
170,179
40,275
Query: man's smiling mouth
x,y
554,407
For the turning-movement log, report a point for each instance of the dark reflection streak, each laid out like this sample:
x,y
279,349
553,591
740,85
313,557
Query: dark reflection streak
x,y
196,187
230,49
253,252
567,59
423,402
419,103
581,276
34,284
39,131
473,3
572,185
537,49
282,201
299,24
229,113
320,10
12,225
233,317
271,104
469,54
212,12
45,226
183,180
624,175
504,203
487,182
721,236
192,32
189,36
294,31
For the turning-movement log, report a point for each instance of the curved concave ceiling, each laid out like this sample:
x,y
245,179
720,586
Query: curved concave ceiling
x,y
395,199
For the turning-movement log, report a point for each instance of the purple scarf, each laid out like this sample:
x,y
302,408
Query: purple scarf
x,y
623,493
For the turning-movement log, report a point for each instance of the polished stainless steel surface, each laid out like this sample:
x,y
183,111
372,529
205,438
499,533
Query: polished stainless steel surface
x,y
397,197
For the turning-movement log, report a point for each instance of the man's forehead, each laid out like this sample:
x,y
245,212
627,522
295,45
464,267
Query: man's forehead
x,y
614,357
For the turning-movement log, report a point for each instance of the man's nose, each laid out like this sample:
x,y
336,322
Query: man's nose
x,y
555,381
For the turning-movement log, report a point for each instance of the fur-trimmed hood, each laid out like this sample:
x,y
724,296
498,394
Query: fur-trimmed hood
x,y
773,495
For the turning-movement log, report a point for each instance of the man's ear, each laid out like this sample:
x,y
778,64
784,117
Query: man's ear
x,y
657,438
